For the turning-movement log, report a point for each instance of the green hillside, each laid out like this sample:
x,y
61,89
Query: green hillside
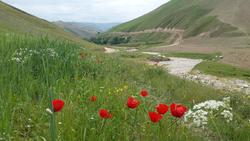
x,y
17,21
79,29
195,17
52,89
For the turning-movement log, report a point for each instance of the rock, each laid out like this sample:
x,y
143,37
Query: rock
x,y
245,86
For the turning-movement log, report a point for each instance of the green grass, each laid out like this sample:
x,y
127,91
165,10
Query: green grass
x,y
24,96
150,38
223,70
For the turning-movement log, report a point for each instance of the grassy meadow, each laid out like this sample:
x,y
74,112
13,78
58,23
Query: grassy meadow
x,y
34,69
223,70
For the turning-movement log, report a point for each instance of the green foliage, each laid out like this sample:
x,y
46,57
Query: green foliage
x,y
137,39
109,39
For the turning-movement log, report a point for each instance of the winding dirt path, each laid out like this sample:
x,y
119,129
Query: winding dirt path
x,y
180,66
183,68
159,30
175,32
110,50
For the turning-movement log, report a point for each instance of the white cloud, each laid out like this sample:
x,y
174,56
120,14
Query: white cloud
x,y
87,10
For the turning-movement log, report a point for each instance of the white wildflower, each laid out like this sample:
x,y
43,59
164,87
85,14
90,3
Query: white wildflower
x,y
199,118
49,111
227,115
210,105
18,60
199,115
92,118
23,54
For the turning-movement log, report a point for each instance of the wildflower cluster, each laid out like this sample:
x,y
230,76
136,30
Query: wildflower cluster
x,y
200,114
177,111
21,55
117,90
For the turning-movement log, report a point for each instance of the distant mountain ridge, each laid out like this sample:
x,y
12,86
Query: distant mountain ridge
x,y
85,30
101,26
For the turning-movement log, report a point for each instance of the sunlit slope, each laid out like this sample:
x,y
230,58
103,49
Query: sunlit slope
x,y
18,21
213,17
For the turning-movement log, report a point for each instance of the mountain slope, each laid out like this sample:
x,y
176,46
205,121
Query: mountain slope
x,y
18,21
85,30
101,26
79,29
213,17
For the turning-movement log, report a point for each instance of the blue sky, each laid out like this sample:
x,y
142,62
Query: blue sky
x,y
100,11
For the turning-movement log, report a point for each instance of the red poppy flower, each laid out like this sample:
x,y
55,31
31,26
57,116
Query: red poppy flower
x,y
132,103
93,98
144,93
57,105
154,116
103,113
177,110
162,108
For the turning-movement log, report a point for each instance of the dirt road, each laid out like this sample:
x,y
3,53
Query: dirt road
x,y
236,51
110,50
182,67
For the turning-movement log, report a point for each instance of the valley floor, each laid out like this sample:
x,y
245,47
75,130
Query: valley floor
x,y
182,67
235,51
185,68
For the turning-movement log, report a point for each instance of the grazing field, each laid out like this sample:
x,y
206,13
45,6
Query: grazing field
x,y
34,71
223,70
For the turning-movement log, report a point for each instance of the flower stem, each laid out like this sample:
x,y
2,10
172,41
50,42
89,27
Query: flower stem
x,y
103,123
173,123
135,117
52,119
159,130
84,134
217,130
